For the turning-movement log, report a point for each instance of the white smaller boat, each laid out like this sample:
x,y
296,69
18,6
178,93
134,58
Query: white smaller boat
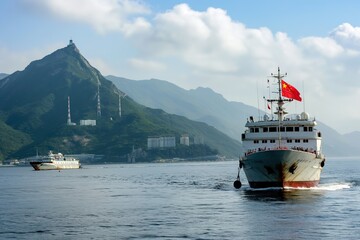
x,y
55,162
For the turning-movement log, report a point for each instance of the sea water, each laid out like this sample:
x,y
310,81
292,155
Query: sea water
x,y
175,201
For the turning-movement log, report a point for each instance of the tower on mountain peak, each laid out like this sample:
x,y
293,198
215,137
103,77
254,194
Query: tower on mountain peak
x,y
72,44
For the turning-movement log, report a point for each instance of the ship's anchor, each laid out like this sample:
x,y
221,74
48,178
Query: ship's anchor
x,y
322,164
237,183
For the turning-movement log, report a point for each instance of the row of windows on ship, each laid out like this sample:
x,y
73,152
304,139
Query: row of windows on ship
x,y
282,129
288,141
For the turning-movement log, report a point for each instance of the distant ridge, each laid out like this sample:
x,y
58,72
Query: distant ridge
x,y
203,104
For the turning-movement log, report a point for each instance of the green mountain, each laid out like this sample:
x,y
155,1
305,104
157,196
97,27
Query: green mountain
x,y
34,115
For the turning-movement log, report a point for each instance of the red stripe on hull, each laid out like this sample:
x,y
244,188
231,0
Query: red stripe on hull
x,y
297,184
304,184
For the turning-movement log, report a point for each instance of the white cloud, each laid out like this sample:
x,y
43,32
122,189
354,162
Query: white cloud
x,y
207,40
141,65
347,35
225,55
104,15
208,48
211,42
327,47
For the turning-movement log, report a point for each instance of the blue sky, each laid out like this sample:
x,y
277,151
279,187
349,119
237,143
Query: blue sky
x,y
229,46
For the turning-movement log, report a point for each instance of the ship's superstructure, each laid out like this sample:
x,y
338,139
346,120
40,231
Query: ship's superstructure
x,y
55,162
285,151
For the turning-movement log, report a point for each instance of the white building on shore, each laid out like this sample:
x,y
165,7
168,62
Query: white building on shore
x,y
161,142
184,140
88,122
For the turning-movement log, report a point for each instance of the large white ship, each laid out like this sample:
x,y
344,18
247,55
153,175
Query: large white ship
x,y
284,151
55,162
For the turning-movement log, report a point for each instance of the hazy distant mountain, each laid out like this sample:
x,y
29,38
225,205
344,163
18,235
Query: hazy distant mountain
x,y
33,114
353,139
3,75
203,104
335,144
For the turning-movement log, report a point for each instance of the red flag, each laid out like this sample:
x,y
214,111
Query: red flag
x,y
289,91
269,106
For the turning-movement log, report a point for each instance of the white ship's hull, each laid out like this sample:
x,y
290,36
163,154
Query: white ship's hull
x,y
55,165
283,168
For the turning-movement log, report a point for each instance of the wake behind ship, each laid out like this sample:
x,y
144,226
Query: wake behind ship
x,y
55,162
284,151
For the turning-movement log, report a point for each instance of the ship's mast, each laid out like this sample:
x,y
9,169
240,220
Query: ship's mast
x,y
280,101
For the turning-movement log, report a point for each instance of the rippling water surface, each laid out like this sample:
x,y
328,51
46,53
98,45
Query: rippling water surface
x,y
175,201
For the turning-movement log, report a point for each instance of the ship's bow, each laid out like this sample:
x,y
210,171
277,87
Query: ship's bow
x,y
283,168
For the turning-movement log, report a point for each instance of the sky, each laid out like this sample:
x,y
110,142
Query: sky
x,y
231,47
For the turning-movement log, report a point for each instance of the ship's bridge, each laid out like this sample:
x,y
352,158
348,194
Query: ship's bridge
x,y
302,119
291,126
292,132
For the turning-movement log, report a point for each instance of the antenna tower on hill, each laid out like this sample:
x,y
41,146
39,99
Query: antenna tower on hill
x,y
120,95
69,114
98,112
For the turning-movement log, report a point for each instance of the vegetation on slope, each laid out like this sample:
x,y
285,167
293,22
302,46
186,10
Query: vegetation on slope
x,y
33,108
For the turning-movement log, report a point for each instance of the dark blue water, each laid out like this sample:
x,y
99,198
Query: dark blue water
x,y
174,201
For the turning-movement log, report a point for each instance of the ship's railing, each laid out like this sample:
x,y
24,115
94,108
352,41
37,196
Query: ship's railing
x,y
309,150
273,118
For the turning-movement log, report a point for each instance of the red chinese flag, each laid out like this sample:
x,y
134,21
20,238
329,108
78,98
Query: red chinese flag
x,y
289,91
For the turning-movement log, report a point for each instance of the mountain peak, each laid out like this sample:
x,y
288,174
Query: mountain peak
x,y
69,54
48,82
72,47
